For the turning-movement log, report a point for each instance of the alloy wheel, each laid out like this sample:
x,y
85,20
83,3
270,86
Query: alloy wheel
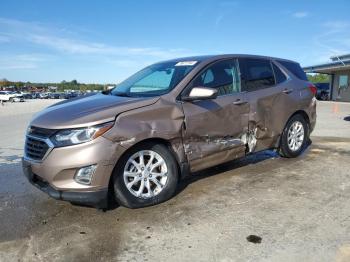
x,y
295,136
145,174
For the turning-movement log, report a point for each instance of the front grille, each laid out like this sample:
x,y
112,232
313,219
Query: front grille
x,y
35,149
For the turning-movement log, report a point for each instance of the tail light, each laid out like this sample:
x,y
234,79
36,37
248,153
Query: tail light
x,y
312,88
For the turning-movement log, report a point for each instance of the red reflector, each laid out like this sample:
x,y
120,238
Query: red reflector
x,y
313,89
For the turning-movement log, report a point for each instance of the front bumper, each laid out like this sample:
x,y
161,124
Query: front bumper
x,y
97,199
55,173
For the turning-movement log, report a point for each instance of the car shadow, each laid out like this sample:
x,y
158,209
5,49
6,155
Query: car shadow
x,y
235,164
212,171
250,159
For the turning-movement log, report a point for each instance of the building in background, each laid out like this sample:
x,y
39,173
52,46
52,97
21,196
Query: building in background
x,y
339,69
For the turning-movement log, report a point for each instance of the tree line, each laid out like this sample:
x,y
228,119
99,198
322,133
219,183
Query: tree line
x,y
64,85
318,78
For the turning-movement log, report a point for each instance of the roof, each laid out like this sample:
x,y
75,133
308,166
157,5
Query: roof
x,y
223,56
341,62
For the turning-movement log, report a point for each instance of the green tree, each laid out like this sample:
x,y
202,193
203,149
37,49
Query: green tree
x,y
318,78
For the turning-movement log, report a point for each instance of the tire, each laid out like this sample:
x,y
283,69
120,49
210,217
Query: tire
x,y
160,192
289,149
11,100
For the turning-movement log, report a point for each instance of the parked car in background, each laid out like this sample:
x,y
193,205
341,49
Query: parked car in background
x,y
7,96
56,95
17,93
323,91
136,141
18,98
36,95
67,95
76,94
71,95
28,96
43,95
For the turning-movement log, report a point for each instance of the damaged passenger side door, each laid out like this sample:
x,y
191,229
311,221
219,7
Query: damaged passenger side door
x,y
214,126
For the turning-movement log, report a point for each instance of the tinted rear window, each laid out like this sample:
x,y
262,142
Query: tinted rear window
x,y
257,73
295,69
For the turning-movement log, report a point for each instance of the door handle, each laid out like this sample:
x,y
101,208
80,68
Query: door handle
x,y
287,91
239,102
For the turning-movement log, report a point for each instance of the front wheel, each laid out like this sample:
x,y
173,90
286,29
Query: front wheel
x,y
146,175
294,137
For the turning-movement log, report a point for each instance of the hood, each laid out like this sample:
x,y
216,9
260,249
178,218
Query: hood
x,y
87,111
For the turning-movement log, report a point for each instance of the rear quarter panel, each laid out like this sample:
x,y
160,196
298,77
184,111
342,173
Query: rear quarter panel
x,y
271,108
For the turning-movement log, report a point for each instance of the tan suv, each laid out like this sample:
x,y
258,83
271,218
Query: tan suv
x,y
138,140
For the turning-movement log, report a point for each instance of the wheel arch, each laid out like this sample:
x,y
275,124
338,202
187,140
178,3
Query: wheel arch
x,y
182,167
155,140
298,112
303,114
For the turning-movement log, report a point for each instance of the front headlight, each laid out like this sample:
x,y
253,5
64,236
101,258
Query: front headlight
x,y
76,136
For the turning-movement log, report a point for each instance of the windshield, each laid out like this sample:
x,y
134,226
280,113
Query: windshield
x,y
154,80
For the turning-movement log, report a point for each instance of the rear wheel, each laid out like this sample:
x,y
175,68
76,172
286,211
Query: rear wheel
x,y
145,176
11,99
294,137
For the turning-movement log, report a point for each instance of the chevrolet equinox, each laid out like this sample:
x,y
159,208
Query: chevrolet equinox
x,y
135,142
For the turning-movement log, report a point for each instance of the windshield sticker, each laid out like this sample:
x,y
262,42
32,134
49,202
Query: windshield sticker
x,y
186,63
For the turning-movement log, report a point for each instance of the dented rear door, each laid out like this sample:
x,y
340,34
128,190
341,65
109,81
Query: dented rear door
x,y
213,128
272,100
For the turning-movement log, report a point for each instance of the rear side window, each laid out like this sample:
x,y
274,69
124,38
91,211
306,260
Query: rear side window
x,y
295,69
257,74
279,75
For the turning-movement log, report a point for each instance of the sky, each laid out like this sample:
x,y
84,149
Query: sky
x,y
106,41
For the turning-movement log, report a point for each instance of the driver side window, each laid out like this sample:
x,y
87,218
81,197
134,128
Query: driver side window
x,y
222,75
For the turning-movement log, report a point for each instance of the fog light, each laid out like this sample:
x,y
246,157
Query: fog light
x,y
84,174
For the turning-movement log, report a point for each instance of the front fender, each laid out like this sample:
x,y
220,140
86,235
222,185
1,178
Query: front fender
x,y
162,120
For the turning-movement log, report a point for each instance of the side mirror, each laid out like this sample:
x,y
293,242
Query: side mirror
x,y
201,93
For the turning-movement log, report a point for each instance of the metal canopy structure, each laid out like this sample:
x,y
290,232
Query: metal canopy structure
x,y
339,63
339,70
